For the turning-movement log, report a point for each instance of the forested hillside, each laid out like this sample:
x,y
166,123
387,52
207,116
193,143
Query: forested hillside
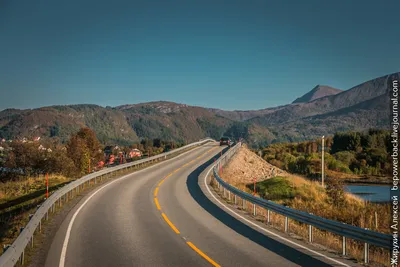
x,y
347,155
322,111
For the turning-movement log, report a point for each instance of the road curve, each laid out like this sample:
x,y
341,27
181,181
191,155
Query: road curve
x,y
165,216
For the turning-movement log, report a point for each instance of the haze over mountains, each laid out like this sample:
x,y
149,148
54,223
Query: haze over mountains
x,y
322,111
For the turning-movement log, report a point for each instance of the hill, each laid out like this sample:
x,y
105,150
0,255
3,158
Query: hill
x,y
61,121
121,125
362,107
316,93
168,120
326,111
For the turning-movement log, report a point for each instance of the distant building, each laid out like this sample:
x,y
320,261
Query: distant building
x,y
41,147
36,138
1,149
135,153
3,140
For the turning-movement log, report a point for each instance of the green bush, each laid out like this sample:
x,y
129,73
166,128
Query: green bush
x,y
345,156
277,188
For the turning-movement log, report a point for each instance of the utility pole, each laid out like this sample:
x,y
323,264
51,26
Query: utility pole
x,y
323,165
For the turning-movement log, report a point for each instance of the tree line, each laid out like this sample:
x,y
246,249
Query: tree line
x,y
359,153
77,157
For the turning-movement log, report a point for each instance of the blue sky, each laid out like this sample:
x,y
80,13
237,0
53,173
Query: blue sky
x,y
223,54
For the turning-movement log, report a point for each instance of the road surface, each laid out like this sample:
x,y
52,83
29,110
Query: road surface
x,y
165,216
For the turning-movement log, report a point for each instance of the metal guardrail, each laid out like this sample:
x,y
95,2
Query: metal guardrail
x,y
366,236
15,252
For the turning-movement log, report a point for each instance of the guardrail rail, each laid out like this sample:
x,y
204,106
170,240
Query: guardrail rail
x,y
366,236
16,252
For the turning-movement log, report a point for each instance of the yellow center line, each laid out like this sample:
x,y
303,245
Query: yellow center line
x,y
157,204
203,255
162,181
156,191
169,175
170,223
177,170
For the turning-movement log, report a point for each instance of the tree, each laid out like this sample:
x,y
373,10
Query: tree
x,y
84,149
79,153
92,143
157,142
147,143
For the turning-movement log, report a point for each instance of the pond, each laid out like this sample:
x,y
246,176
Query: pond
x,y
373,193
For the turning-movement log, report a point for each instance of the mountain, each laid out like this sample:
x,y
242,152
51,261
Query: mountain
x,y
373,113
168,120
357,94
120,125
317,92
359,108
61,121
243,115
322,111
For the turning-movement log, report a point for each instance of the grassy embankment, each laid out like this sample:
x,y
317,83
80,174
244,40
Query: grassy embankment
x,y
302,194
19,198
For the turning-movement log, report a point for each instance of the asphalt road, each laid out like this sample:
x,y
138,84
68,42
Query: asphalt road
x,y
165,216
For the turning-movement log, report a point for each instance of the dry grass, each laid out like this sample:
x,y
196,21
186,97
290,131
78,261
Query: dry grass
x,y
27,185
312,198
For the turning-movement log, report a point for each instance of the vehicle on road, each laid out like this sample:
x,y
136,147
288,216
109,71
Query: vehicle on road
x,y
225,141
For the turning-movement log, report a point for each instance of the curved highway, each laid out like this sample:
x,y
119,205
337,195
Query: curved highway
x,y
166,215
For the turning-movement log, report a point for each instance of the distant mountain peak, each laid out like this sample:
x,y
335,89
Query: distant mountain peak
x,y
317,92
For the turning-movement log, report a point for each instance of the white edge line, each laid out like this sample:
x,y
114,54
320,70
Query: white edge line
x,y
68,233
265,230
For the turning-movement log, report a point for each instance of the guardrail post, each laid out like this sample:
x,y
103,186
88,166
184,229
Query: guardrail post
x,y
244,204
366,253
22,257
310,234
286,224
268,217
254,210
224,191
32,241
229,195
235,199
40,225
344,246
